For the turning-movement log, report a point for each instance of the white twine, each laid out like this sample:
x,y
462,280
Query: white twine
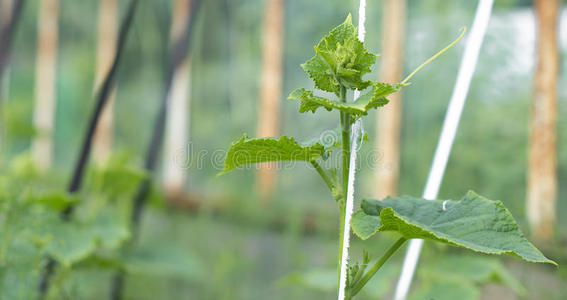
x,y
356,134
450,125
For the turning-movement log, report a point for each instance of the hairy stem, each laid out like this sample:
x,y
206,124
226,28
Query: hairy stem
x,y
370,273
345,154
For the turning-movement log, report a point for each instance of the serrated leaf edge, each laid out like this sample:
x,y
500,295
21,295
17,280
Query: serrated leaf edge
x,y
391,211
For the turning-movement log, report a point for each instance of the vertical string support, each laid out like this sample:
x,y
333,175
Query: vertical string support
x,y
447,137
355,137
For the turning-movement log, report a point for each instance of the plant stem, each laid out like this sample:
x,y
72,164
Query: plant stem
x,y
324,176
345,153
345,134
370,273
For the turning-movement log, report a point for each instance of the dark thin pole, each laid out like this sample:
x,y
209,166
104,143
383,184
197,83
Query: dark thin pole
x,y
7,34
179,51
163,17
101,100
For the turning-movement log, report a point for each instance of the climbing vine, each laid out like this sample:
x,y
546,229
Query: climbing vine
x,y
339,65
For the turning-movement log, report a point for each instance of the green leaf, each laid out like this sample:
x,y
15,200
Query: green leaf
x,y
119,177
250,151
70,243
365,225
22,167
473,222
340,59
375,97
56,200
111,229
320,73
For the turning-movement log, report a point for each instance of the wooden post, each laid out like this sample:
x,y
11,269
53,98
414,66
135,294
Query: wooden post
x,y
177,135
5,10
270,88
542,176
106,48
45,89
388,123
5,16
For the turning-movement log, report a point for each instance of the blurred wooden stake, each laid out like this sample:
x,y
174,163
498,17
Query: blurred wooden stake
x,y
106,48
542,176
388,123
5,16
177,138
270,88
5,11
45,89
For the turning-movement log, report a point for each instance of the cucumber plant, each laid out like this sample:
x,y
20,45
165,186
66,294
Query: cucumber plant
x,y
473,222
96,237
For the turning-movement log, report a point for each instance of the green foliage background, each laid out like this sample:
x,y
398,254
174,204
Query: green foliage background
x,y
247,249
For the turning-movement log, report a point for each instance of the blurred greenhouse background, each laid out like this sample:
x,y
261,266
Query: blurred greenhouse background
x,y
231,243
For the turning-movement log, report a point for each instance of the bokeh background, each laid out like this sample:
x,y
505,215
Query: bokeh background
x,y
245,247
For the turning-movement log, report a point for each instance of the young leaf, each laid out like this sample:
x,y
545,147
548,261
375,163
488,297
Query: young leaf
x,y
375,97
473,222
320,73
250,151
70,243
56,200
340,59
117,179
111,229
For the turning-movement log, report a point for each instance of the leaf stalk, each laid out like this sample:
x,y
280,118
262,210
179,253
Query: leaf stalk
x,y
377,265
328,181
